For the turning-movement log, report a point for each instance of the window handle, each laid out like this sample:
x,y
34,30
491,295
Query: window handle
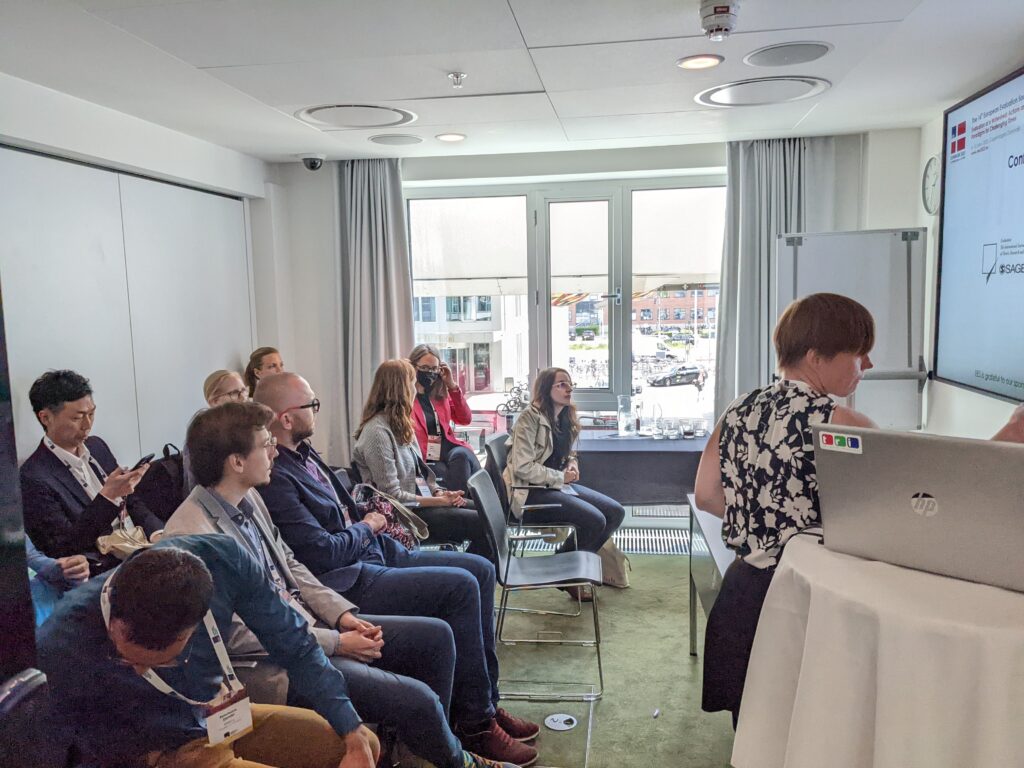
x,y
617,296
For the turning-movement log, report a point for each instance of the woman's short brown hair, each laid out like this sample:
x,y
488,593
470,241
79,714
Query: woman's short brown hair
x,y
223,431
825,322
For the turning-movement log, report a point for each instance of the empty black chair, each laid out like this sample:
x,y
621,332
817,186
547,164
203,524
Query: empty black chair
x,y
514,574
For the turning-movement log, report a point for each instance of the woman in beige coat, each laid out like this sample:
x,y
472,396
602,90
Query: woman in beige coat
x,y
541,453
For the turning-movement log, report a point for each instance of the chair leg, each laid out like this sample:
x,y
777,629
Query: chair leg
x,y
595,643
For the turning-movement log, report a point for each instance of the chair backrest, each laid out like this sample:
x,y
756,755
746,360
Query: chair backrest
x,y
496,448
492,515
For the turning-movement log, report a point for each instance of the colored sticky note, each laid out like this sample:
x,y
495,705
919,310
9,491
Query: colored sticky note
x,y
826,439
853,442
840,441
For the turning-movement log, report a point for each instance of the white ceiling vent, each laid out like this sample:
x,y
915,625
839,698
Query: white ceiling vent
x,y
762,90
787,54
395,139
355,116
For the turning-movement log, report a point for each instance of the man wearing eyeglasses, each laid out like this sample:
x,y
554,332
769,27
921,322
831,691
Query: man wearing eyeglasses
x,y
398,669
346,551
137,670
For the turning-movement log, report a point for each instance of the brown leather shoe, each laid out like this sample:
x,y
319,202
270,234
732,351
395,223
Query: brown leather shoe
x,y
494,744
516,727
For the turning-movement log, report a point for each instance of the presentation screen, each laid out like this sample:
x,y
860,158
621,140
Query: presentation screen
x,y
980,329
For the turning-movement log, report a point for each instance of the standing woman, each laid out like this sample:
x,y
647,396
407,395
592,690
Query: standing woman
x,y
439,401
387,457
541,453
264,361
757,471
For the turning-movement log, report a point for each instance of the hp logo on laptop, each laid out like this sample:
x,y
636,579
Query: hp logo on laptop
x,y
924,504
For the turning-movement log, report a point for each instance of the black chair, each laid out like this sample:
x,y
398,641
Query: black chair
x,y
516,574
27,734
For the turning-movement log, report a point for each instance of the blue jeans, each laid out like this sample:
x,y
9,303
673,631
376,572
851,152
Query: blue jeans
x,y
455,587
595,515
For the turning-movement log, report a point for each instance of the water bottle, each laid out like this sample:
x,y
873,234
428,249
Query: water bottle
x,y
627,424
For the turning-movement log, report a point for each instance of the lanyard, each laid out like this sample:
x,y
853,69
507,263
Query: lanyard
x,y
230,679
87,465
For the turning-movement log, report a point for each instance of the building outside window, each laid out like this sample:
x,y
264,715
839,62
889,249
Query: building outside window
x,y
453,305
646,314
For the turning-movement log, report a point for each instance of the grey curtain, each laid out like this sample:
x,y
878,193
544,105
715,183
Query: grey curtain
x,y
775,186
376,285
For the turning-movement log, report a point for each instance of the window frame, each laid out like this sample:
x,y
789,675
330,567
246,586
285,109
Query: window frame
x,y
538,194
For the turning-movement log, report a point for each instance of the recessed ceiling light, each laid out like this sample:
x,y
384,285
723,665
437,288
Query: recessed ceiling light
x,y
700,61
450,136
762,90
395,139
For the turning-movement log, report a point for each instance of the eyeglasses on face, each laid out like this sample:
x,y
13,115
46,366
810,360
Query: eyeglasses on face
x,y
270,443
429,368
564,385
314,406
235,395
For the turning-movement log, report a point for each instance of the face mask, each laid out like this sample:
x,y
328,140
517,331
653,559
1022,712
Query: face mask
x,y
426,379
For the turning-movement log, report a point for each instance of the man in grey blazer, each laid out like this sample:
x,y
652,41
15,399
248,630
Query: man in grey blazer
x,y
410,681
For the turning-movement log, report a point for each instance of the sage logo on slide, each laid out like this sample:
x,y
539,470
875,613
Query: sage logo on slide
x,y
924,504
989,259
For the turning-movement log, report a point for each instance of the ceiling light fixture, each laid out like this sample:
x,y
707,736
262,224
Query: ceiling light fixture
x,y
456,78
700,61
718,18
395,139
452,137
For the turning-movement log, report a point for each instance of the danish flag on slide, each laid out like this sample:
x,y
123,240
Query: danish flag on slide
x,y
958,137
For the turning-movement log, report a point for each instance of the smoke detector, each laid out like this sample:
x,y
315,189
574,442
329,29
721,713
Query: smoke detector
x,y
718,18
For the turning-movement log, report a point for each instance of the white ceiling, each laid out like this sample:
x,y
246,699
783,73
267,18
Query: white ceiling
x,y
542,75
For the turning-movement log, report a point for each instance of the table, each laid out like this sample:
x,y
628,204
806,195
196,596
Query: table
x,y
709,559
858,663
639,470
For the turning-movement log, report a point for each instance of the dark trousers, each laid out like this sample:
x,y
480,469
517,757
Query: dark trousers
x,y
729,636
595,515
410,686
461,463
455,587
455,525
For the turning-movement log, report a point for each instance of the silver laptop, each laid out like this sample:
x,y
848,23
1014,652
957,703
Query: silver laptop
x,y
946,505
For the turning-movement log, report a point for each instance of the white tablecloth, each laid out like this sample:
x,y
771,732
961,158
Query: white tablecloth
x,y
858,663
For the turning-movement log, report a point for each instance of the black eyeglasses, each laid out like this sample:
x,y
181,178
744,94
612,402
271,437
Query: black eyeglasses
x,y
315,406
428,369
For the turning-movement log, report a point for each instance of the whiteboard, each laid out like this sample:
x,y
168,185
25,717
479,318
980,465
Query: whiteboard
x,y
64,291
188,282
884,271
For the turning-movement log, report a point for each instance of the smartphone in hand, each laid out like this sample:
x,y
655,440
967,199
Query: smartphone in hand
x,y
143,461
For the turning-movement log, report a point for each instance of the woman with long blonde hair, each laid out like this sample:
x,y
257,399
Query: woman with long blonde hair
x,y
388,457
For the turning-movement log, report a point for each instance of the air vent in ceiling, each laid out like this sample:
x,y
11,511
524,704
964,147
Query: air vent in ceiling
x,y
351,116
762,90
787,54
395,139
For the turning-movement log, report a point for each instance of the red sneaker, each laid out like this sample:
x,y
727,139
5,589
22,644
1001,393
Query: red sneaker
x,y
516,727
494,744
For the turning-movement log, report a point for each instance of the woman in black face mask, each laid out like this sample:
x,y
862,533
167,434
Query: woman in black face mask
x,y
439,401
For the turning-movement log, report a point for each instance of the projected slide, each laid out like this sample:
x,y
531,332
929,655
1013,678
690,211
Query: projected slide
x,y
981,285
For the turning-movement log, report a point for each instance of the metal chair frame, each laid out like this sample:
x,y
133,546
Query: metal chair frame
x,y
486,496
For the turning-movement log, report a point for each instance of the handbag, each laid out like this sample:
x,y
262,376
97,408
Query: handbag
x,y
615,566
403,524
121,542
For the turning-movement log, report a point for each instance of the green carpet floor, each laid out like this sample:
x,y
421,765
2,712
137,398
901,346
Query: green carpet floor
x,y
645,632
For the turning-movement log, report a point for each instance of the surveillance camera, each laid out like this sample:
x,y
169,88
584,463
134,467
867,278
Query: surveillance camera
x,y
312,162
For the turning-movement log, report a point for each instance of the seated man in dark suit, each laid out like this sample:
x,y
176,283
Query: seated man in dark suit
x,y
398,668
72,488
135,663
323,526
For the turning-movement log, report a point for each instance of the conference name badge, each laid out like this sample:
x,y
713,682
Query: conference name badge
x,y
229,718
836,441
433,448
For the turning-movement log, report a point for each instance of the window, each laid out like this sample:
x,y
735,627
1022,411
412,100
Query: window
x,y
677,313
698,292
469,260
711,314
679,294
663,314
483,307
646,314
454,309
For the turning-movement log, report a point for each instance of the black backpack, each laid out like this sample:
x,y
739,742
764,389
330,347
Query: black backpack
x,y
162,489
